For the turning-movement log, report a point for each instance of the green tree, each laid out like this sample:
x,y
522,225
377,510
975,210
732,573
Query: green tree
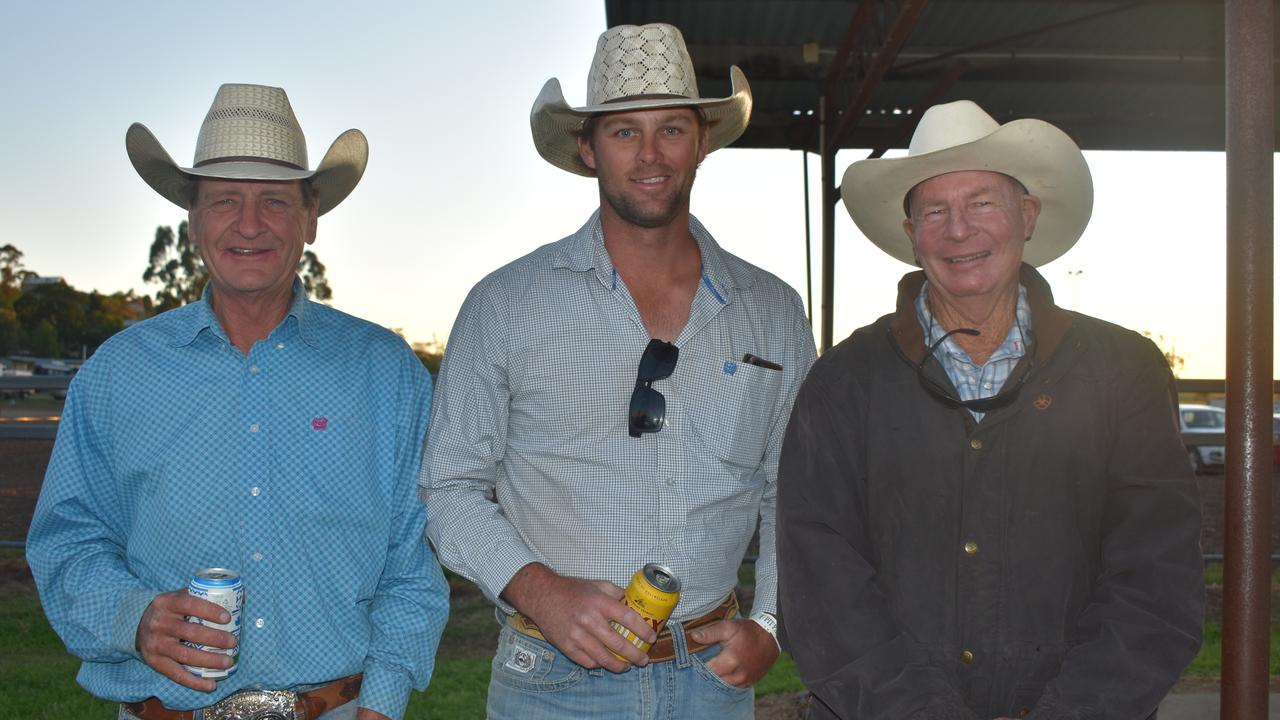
x,y
175,264
53,318
430,353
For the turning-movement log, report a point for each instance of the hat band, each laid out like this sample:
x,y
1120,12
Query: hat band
x,y
651,96
249,158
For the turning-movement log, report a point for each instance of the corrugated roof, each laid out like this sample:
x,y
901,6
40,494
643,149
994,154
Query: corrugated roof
x,y
1114,75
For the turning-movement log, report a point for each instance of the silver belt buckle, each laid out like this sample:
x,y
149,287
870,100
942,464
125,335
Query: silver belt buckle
x,y
255,705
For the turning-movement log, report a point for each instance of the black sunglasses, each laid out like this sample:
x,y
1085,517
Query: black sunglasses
x,y
648,410
942,394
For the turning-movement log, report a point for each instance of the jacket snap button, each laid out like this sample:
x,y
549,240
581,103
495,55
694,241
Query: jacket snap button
x,y
976,444
971,548
967,657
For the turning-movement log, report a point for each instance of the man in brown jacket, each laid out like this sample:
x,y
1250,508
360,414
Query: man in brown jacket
x,y
984,506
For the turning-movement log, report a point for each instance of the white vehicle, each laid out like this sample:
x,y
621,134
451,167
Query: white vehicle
x,y
1202,433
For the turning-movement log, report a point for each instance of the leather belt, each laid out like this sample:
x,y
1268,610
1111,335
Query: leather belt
x,y
248,704
664,648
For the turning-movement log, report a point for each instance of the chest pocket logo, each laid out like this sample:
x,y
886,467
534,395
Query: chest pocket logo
x,y
1043,402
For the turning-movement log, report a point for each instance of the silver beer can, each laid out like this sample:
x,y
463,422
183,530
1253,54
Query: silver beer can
x,y
219,586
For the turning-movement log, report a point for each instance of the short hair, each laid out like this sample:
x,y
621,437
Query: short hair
x,y
906,199
308,190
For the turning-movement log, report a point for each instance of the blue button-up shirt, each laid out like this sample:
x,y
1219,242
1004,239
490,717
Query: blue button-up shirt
x,y
971,380
295,465
529,458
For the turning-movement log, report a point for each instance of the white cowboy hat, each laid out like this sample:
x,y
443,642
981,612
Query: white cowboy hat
x,y
960,136
250,133
636,67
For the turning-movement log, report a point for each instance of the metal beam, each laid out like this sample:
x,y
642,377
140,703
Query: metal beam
x,y
1250,141
869,82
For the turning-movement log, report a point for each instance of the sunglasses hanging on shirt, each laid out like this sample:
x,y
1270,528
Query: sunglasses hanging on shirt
x,y
648,410
943,394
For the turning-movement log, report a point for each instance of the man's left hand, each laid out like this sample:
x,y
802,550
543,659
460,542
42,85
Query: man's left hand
x,y
747,651
365,713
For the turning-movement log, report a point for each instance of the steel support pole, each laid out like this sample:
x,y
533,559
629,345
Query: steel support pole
x,y
1250,143
808,244
829,198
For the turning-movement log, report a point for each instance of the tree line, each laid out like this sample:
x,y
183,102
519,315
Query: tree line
x,y
54,319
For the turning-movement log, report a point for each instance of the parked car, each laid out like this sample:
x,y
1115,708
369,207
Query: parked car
x,y
1203,427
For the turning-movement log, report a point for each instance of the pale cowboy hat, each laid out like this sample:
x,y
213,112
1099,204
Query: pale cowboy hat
x,y
636,67
960,136
250,133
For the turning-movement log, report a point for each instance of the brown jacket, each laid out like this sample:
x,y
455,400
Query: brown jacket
x,y
1044,562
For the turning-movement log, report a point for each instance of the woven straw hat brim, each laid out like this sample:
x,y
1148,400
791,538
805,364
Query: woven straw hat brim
x,y
333,179
556,125
1037,154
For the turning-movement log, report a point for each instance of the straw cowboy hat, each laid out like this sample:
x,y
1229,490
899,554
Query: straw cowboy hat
x,y
960,136
636,67
250,133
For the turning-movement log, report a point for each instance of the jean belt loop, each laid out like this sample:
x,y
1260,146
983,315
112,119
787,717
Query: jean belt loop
x,y
680,643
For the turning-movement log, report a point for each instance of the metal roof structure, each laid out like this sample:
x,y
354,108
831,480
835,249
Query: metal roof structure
x,y
1116,75
1131,75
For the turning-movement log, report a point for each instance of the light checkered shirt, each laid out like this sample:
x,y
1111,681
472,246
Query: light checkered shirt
x,y
295,466
971,380
531,411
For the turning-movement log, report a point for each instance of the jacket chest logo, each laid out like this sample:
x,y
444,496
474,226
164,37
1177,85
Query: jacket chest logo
x,y
1042,402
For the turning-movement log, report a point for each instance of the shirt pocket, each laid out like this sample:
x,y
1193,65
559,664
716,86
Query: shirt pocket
x,y
733,408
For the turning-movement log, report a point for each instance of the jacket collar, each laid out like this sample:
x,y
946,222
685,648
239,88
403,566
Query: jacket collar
x,y
1048,321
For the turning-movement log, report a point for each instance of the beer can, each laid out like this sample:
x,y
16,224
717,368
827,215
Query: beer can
x,y
220,587
653,593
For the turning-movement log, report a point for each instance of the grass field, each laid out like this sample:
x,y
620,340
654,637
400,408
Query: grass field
x,y
40,675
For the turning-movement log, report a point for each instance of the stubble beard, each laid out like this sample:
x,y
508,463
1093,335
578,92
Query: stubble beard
x,y
629,211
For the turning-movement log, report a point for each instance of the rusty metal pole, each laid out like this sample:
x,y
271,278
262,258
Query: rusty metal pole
x,y
1250,142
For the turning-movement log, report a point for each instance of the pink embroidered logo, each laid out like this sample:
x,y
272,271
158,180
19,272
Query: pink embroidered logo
x,y
319,423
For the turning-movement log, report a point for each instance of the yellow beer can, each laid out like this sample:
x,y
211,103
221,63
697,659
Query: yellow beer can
x,y
653,593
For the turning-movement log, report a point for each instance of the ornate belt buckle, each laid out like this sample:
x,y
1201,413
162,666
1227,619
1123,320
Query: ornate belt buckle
x,y
255,705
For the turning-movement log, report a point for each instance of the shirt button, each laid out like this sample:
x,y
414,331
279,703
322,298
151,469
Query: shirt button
x,y
253,427
671,481
971,548
255,491
279,346
975,443
257,557
259,623
254,369
966,657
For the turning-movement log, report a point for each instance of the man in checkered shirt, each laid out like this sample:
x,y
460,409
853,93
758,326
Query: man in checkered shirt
x,y
614,399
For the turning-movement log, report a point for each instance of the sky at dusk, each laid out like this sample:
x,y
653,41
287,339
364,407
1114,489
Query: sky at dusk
x,y
454,187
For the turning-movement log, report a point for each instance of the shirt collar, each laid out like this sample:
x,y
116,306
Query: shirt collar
x,y
1014,343
201,317
586,252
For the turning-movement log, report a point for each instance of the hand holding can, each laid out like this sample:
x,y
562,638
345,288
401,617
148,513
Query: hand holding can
x,y
224,588
653,593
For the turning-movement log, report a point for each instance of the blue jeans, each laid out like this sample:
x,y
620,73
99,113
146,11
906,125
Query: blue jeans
x,y
532,680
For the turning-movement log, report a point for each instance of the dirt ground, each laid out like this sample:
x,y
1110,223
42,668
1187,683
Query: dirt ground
x,y
23,463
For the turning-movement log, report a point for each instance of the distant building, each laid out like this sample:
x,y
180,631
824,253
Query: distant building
x,y
34,281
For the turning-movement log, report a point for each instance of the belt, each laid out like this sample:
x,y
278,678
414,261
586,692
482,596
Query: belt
x,y
664,648
247,704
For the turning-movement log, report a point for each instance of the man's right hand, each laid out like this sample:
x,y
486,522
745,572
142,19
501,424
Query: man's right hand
x,y
574,615
164,626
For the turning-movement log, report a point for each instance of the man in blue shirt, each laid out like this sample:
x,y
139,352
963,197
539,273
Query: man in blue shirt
x,y
252,430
